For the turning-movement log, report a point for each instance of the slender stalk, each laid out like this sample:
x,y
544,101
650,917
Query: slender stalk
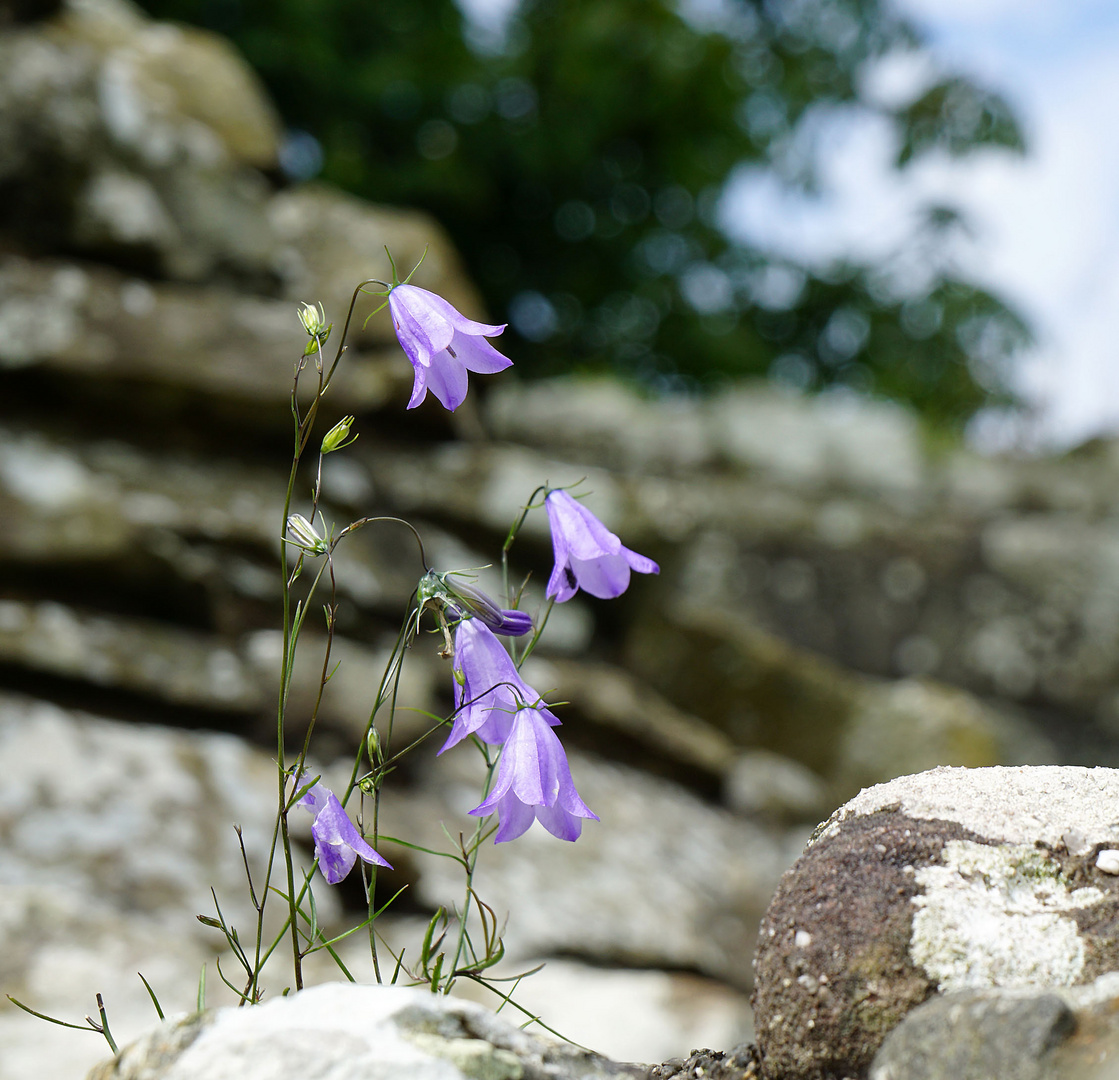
x,y
470,862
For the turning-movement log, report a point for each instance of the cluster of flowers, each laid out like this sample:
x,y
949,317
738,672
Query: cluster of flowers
x,y
492,702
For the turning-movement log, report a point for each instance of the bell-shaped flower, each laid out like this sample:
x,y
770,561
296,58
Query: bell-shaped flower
x,y
534,783
488,688
588,556
442,344
338,844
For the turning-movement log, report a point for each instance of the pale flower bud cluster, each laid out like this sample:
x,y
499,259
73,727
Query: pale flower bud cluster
x,y
314,322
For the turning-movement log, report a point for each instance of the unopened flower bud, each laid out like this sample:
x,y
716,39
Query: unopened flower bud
x,y
304,535
459,599
338,436
313,318
314,322
373,745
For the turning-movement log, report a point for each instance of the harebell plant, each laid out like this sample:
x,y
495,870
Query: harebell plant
x,y
524,775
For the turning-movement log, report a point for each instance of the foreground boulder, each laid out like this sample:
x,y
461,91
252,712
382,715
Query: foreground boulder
x,y
360,1032
949,880
1008,1034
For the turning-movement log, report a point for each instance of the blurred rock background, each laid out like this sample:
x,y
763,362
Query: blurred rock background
x,y
847,594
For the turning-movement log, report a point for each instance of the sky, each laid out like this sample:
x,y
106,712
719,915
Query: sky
x,y
1044,229
1050,224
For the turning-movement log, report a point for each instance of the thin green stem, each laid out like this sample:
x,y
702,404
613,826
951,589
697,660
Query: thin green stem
x,y
470,862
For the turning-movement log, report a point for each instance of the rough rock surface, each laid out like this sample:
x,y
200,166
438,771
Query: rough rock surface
x,y
1008,1034
340,1031
949,880
112,836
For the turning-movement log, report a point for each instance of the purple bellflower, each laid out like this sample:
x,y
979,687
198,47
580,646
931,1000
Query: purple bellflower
x,y
588,555
534,783
442,344
489,690
338,844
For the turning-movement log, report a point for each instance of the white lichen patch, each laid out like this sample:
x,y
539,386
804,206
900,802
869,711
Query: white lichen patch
x,y
995,915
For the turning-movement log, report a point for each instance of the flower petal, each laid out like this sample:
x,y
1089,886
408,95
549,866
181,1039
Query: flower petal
x,y
491,690
338,844
316,797
419,385
448,311
447,380
534,779
640,563
562,584
477,354
335,860
514,623
422,326
559,822
513,819
586,536
605,577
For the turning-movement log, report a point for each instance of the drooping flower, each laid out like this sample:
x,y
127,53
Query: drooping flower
x,y
442,344
534,783
338,844
488,688
588,555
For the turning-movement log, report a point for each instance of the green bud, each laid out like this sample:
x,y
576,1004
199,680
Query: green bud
x,y
373,745
338,436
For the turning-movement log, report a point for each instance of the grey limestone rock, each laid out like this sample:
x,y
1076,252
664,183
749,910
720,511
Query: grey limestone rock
x,y
950,880
1064,1033
977,1035
341,1031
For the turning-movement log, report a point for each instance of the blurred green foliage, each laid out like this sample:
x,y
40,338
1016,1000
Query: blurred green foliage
x,y
579,166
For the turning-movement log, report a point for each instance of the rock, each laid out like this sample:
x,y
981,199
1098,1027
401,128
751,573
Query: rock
x,y
977,1035
954,879
154,135
94,322
828,441
623,708
1008,1034
741,1063
762,784
627,1015
111,837
817,441
331,242
362,1032
903,727
590,421
850,730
